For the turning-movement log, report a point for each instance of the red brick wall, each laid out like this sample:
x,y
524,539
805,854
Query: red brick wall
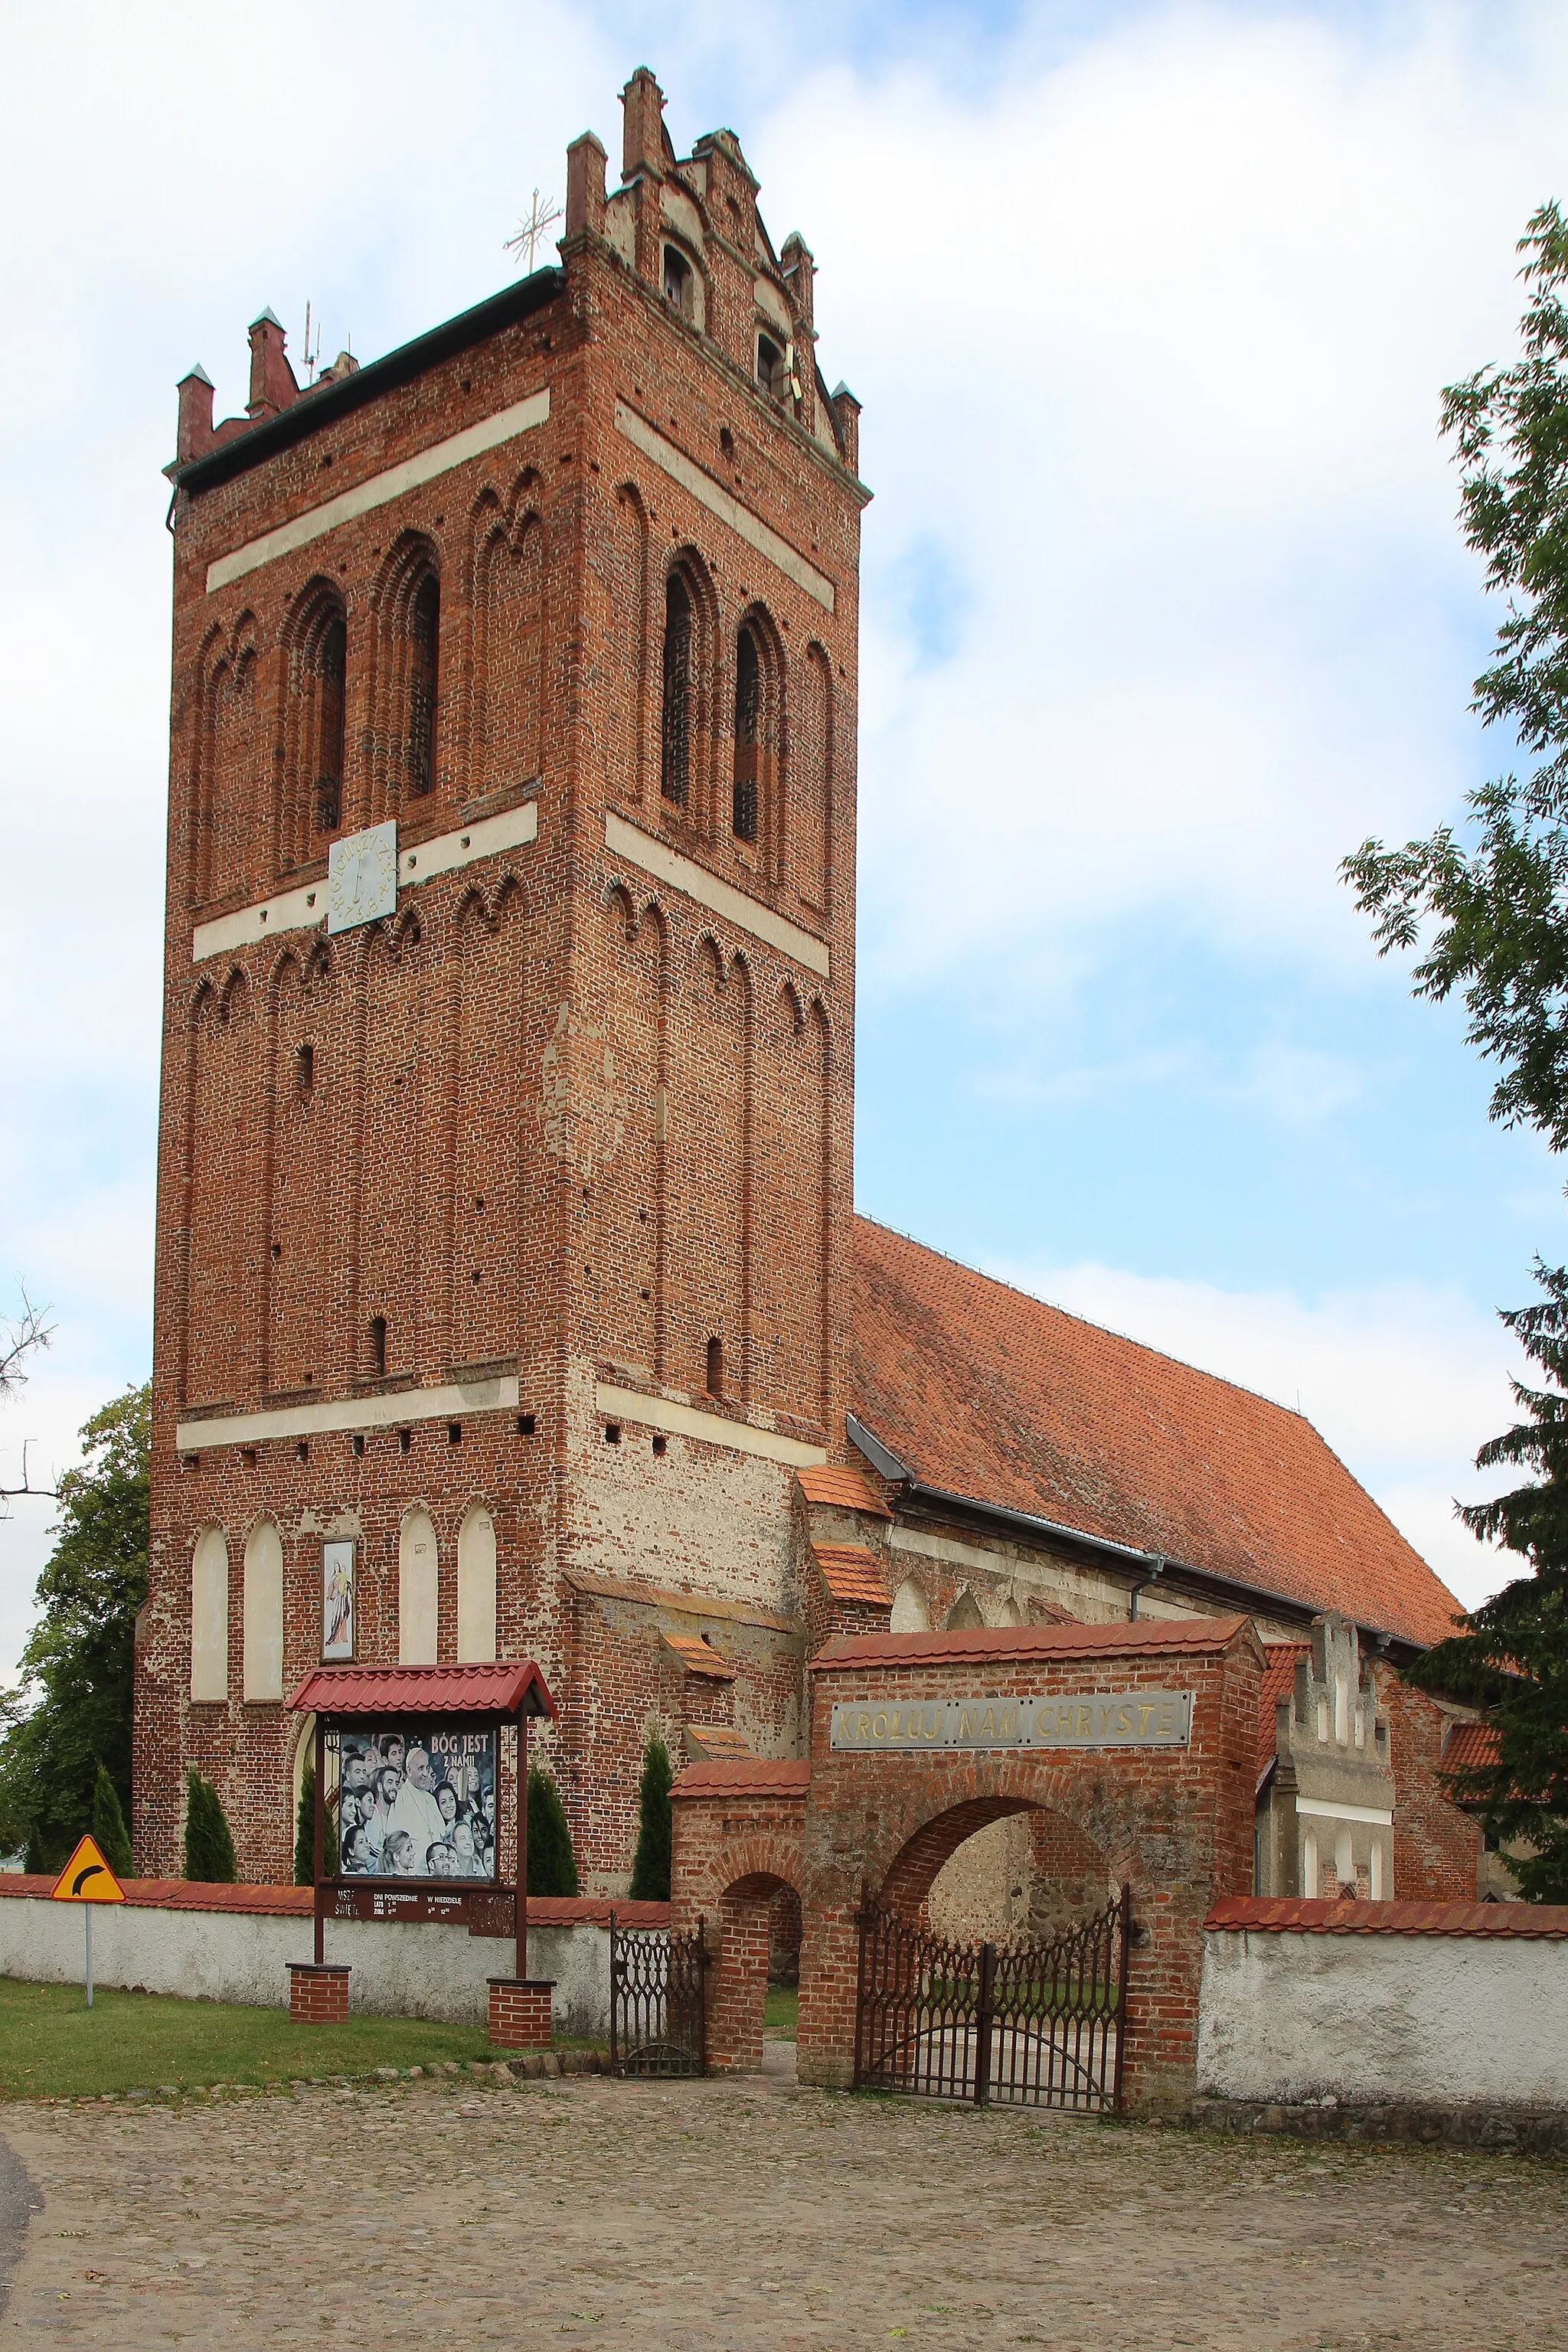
x,y
1176,1823
1436,1848
653,1106
317,1995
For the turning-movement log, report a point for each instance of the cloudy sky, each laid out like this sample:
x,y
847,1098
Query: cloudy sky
x,y
1164,610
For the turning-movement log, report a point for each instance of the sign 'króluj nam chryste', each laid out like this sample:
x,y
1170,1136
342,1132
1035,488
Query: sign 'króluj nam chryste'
x,y
1096,1719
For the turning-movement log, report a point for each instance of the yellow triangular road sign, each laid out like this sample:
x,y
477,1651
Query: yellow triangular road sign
x,y
86,1878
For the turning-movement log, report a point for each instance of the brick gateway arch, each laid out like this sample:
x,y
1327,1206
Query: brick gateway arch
x,y
1160,1801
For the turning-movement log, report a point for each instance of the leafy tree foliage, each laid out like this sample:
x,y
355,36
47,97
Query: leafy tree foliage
x,y
1487,915
108,1827
72,1711
209,1849
650,1865
552,1866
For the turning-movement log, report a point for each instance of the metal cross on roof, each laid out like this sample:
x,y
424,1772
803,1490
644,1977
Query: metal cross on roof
x,y
532,230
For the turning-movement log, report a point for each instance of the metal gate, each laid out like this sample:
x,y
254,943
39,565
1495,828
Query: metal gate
x,y
658,2004
1035,2024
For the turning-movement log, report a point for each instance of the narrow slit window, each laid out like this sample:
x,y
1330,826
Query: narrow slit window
x,y
716,1368
748,713
425,630
378,1345
331,670
305,1068
675,763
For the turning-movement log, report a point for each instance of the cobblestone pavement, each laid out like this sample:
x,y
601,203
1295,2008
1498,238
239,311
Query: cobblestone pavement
x,y
711,2215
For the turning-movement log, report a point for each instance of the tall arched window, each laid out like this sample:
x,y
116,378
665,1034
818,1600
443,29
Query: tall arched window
x,y
748,729
317,642
331,669
424,633
675,774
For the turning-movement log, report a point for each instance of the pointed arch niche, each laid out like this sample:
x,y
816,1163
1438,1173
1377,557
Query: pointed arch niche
x,y
476,1587
263,1614
506,736
209,1618
418,1589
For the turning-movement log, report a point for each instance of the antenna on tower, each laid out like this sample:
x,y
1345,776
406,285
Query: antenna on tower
x,y
530,231
312,351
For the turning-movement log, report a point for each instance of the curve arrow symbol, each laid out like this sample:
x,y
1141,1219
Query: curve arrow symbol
x,y
93,1870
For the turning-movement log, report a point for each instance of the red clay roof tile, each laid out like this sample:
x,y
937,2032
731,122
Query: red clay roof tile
x,y
988,1646
846,1490
852,1574
716,1743
1468,1745
1304,1915
762,1777
1280,1660
996,1396
699,1657
504,1688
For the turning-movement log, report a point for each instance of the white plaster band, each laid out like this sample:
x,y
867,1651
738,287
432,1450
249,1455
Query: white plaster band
x,y
713,1428
1320,1810
624,840
717,501
303,909
405,1409
381,488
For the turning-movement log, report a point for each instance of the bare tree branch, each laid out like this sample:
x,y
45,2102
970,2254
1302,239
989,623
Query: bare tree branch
x,y
27,1486
22,1337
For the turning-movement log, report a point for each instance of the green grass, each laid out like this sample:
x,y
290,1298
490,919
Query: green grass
x,y
52,2047
779,2015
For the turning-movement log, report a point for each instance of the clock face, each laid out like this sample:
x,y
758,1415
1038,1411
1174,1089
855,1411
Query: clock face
x,y
361,878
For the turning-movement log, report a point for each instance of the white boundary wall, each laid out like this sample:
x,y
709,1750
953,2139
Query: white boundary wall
x,y
411,1970
1434,2021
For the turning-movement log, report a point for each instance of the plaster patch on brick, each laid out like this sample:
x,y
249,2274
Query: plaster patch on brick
x,y
404,1405
381,488
711,1428
304,909
624,840
708,493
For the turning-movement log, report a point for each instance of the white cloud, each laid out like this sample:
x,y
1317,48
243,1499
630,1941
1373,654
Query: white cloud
x,y
1404,1381
1154,360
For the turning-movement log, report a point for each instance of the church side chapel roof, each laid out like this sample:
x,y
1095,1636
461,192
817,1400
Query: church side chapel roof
x,y
989,1394
1470,1745
1280,1660
852,1573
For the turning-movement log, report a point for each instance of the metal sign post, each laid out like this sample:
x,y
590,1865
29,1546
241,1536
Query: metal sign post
x,y
87,1879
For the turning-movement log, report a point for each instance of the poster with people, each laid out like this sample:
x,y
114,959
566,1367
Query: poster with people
x,y
418,1800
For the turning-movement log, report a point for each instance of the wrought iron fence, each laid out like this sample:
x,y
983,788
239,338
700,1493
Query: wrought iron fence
x,y
657,2001
1039,2024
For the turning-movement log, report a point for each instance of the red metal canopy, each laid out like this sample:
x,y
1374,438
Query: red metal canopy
x,y
499,1689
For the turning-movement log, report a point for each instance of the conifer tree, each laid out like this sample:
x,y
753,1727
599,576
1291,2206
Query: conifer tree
x,y
552,1866
1511,1655
108,1827
1484,907
305,1834
209,1849
651,1866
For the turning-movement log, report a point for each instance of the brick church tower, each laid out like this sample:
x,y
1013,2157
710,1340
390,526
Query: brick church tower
x,y
505,1145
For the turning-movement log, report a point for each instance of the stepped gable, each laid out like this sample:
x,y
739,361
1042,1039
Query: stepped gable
x,y
997,1397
